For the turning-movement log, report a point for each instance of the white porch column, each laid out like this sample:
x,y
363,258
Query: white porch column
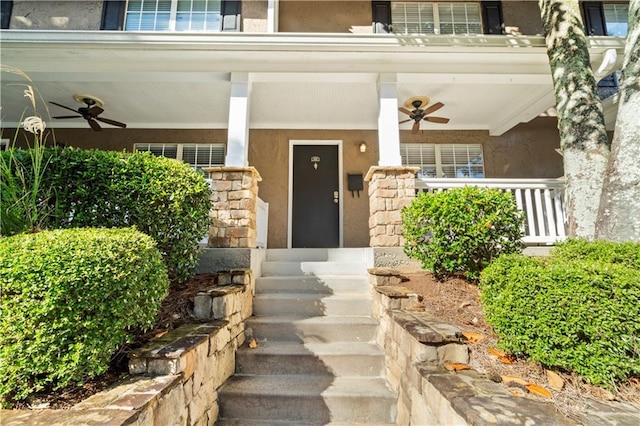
x,y
238,129
272,16
388,127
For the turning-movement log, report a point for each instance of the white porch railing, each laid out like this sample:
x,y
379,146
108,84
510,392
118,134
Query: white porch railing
x,y
542,200
262,223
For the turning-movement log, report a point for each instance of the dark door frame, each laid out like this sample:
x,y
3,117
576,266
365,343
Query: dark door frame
x,y
292,143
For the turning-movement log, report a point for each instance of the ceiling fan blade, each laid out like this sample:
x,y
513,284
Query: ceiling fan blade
x,y
112,122
404,110
437,120
433,108
62,106
404,121
94,111
416,127
94,125
68,116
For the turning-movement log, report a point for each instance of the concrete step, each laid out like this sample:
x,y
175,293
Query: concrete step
x,y
315,329
288,268
305,305
335,359
318,254
309,284
307,399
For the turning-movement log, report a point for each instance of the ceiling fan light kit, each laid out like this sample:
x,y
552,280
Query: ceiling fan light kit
x,y
90,112
416,108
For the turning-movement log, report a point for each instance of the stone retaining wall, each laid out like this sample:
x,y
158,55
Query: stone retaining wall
x,y
417,345
176,377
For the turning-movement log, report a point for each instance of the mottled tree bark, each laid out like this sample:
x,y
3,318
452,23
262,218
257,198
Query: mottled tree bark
x,y
619,214
583,137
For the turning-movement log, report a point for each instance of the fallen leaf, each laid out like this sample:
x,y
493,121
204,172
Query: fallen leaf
x,y
538,390
454,366
514,379
502,356
253,344
464,305
160,334
554,380
474,337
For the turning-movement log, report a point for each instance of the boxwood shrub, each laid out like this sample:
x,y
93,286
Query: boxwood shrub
x,y
163,198
578,310
460,231
69,299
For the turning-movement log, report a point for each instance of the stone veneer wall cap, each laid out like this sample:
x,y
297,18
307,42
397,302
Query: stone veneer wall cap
x,y
251,169
374,169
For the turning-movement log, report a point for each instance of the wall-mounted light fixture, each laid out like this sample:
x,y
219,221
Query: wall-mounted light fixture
x,y
363,147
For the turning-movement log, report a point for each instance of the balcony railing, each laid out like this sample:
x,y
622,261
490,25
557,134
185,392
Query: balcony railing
x,y
542,200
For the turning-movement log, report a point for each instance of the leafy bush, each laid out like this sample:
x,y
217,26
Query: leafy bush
x,y
68,299
163,198
575,310
461,230
598,251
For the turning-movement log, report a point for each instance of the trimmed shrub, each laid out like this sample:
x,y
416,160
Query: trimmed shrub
x,y
69,298
161,197
460,231
627,253
575,311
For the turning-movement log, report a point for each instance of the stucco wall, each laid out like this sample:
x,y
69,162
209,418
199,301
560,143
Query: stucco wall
x,y
522,17
269,153
325,16
526,151
254,16
56,15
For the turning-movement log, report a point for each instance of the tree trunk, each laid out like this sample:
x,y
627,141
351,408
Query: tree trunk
x,y
583,137
619,214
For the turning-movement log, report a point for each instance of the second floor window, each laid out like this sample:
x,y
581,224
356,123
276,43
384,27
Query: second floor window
x,y
173,15
436,18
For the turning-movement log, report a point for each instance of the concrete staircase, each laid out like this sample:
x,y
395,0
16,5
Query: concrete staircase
x,y
316,361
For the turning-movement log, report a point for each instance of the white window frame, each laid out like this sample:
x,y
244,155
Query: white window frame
x,y
172,18
621,13
439,166
179,147
436,15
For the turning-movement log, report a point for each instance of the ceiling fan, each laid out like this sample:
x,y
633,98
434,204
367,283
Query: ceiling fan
x,y
91,112
415,109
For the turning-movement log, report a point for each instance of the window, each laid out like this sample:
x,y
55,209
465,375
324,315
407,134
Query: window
x,y
444,160
616,18
196,155
436,18
173,15
4,144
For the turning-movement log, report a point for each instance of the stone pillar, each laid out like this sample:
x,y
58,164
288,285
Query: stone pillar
x,y
233,215
390,189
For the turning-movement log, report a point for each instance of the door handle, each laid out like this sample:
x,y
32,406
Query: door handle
x,y
336,197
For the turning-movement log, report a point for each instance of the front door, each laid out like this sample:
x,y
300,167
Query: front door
x,y
315,206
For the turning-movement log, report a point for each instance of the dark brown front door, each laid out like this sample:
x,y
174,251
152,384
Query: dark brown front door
x,y
315,207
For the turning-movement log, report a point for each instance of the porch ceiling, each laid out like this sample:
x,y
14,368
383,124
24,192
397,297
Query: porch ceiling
x,y
300,82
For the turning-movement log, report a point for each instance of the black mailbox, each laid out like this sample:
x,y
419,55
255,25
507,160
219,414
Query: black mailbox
x,y
355,183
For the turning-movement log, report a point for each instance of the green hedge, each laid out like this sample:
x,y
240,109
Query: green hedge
x,y
69,299
460,231
578,310
163,198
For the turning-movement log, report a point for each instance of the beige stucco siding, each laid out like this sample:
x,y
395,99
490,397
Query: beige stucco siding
x,y
254,16
325,16
56,15
526,151
269,153
522,17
